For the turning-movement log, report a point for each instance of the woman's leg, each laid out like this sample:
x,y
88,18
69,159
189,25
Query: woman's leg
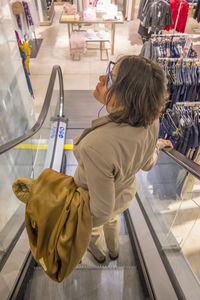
x,y
111,233
96,245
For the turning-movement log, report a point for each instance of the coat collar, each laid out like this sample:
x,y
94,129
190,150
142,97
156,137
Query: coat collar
x,y
95,123
100,121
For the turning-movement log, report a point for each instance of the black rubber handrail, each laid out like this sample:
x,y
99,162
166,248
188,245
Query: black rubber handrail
x,y
185,162
43,112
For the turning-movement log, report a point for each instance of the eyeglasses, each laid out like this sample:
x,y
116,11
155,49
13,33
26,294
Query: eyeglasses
x,y
108,72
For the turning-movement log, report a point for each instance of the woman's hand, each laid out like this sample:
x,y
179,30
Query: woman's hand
x,y
164,144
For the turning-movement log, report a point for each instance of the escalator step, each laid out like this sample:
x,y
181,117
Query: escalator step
x,y
100,283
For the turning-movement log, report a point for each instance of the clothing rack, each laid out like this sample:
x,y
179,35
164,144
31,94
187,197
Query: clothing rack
x,y
17,8
193,36
179,59
180,125
193,104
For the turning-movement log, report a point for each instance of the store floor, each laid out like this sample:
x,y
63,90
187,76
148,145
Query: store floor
x,y
78,75
83,74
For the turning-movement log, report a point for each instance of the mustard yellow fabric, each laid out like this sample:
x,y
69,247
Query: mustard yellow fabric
x,y
58,221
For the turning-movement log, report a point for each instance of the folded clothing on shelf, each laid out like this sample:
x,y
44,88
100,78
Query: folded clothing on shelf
x,y
92,35
89,14
102,34
70,17
69,9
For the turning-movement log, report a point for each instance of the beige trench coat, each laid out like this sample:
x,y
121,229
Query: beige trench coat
x,y
109,155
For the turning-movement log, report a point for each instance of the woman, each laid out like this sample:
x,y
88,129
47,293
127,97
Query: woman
x,y
117,146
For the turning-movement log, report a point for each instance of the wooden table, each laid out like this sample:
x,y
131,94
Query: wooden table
x,y
113,22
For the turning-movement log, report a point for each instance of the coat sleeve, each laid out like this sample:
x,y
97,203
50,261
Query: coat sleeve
x,y
153,159
100,181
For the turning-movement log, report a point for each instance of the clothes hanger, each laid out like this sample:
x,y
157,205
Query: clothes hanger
x,y
177,130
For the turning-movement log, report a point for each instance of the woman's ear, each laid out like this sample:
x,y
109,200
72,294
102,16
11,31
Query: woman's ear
x,y
22,187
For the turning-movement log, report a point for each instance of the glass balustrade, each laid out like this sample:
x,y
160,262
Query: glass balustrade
x,y
26,159
170,197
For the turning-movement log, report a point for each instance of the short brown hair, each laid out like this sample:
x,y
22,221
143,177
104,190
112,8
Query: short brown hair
x,y
140,88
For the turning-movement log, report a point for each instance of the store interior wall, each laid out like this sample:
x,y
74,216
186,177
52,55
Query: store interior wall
x,y
17,113
16,106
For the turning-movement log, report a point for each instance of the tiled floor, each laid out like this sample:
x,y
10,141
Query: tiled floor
x,y
78,75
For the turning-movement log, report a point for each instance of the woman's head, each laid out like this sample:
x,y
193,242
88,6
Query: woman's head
x,y
137,93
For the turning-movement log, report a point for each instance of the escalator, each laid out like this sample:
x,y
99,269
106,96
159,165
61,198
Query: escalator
x,y
112,280
150,263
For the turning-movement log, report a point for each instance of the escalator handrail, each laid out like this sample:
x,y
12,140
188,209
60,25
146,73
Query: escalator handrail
x,y
44,111
185,162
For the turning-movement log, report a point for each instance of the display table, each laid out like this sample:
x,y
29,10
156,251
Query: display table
x,y
101,43
82,22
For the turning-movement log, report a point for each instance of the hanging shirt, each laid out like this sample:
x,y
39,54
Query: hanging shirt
x,y
181,12
143,4
157,15
28,16
183,15
197,12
